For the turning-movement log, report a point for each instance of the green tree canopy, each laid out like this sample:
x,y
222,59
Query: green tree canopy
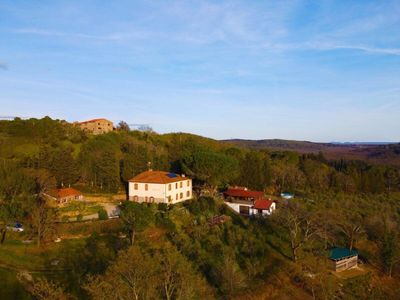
x,y
210,167
136,217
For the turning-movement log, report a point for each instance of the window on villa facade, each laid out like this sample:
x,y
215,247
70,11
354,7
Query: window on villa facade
x,y
151,199
146,199
169,187
176,185
188,183
181,195
181,184
146,187
135,198
176,197
136,187
188,194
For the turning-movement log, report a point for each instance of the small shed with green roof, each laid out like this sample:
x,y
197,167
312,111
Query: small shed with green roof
x,y
343,258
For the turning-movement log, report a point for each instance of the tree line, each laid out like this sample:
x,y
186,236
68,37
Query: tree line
x,y
106,162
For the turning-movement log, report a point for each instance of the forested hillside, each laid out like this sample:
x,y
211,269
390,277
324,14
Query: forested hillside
x,y
376,153
177,254
106,162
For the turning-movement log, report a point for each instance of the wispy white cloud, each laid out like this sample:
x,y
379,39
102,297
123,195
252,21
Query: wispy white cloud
x,y
203,39
3,66
193,22
106,37
328,46
368,49
236,25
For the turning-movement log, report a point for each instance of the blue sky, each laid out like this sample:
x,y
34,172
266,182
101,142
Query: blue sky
x,y
304,70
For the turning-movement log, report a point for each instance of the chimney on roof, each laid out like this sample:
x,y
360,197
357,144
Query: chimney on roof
x,y
149,166
183,175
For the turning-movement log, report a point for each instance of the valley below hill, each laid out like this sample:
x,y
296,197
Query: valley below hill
x,y
375,153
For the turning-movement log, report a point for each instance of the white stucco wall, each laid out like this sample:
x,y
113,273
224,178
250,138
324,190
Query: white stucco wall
x,y
236,206
252,211
153,190
176,190
265,212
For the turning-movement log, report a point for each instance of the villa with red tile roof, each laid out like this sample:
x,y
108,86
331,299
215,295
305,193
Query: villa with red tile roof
x,y
160,187
97,126
247,202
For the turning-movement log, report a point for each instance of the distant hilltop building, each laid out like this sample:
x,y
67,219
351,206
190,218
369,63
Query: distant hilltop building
x,y
97,126
160,187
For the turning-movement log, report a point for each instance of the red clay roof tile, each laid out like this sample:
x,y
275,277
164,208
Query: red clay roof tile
x,y
94,120
233,192
263,204
157,177
65,192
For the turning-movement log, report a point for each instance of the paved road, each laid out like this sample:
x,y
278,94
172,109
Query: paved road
x,y
111,208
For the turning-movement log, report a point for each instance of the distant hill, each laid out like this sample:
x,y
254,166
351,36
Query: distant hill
x,y
382,153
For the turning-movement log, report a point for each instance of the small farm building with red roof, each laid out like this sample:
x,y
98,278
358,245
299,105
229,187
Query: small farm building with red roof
x,y
64,195
248,202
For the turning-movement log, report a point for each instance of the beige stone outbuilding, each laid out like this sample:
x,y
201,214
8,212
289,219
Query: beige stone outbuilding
x,y
97,126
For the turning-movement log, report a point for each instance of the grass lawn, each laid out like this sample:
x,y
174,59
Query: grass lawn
x,y
111,226
10,288
351,273
16,256
22,256
14,253
101,198
74,208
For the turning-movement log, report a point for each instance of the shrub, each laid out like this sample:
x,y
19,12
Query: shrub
x,y
64,219
163,207
79,217
103,215
165,223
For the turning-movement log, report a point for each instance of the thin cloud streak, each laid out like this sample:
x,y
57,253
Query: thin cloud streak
x,y
3,66
328,46
367,49
277,47
106,37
